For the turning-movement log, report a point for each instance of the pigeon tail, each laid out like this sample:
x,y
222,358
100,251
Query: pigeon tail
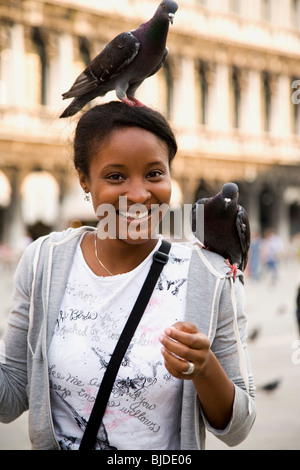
x,y
72,109
78,103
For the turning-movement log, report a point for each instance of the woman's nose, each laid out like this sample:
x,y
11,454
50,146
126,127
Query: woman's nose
x,y
137,192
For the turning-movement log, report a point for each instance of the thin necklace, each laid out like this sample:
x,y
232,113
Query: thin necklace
x,y
96,253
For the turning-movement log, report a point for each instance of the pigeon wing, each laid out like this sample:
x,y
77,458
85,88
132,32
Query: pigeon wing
x,y
164,57
243,228
114,58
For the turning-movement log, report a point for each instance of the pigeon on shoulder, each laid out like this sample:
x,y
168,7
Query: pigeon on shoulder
x,y
125,62
226,227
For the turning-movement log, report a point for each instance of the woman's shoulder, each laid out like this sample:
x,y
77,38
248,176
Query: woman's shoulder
x,y
56,237
199,255
207,261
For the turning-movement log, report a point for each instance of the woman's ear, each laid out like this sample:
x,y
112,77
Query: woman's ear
x,y
83,180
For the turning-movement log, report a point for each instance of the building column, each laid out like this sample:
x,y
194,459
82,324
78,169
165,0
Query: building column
x,y
16,92
53,95
64,65
251,120
184,109
281,107
219,100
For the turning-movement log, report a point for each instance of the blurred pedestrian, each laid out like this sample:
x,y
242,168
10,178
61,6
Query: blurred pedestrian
x,y
255,261
271,251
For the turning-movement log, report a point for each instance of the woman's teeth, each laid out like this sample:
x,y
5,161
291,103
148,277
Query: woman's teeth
x,y
130,215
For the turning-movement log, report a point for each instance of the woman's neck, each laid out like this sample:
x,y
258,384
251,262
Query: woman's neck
x,y
114,257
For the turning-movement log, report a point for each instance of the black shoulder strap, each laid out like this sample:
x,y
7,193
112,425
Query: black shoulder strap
x,y
160,258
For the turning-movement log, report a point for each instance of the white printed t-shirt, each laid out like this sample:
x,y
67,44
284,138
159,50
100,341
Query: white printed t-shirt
x,y
145,403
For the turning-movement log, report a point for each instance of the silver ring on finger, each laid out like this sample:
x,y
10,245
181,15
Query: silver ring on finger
x,y
190,370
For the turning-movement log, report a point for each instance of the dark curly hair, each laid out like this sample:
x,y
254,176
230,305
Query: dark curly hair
x,y
97,124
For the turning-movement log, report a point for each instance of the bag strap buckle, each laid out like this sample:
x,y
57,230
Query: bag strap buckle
x,y
160,257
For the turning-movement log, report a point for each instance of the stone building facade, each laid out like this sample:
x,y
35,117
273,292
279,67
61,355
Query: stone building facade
x,y
229,88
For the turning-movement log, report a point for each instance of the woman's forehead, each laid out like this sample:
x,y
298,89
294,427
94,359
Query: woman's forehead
x,y
126,139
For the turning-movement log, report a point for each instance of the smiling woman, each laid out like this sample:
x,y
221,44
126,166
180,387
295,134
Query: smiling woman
x,y
76,290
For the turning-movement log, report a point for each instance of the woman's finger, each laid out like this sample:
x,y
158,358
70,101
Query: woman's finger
x,y
175,365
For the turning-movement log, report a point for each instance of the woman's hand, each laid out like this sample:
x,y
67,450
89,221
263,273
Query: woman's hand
x,y
182,344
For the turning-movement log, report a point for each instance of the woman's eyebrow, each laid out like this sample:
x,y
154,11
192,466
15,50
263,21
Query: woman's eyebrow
x,y
120,165
157,162
114,166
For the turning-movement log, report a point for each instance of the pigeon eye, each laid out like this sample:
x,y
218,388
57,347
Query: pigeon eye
x,y
164,6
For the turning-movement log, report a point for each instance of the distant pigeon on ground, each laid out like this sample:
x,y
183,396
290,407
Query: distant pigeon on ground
x,y
271,386
125,62
252,336
226,227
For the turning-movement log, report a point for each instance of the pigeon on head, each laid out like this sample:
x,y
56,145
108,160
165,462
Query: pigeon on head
x,y
125,62
226,227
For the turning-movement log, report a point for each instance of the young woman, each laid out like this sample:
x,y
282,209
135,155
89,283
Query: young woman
x,y
75,290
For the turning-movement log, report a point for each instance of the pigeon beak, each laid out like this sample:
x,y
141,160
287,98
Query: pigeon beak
x,y
171,17
227,202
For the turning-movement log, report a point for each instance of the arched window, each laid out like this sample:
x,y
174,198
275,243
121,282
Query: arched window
x,y
84,52
5,190
267,208
40,198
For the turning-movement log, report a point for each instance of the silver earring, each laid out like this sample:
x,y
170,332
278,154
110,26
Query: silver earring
x,y
87,197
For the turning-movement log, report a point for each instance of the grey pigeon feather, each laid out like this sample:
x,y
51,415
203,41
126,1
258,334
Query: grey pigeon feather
x,y
226,226
125,62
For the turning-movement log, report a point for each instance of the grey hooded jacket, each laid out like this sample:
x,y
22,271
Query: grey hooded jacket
x,y
214,303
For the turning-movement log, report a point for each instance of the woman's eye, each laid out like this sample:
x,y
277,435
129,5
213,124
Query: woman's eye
x,y
155,174
115,177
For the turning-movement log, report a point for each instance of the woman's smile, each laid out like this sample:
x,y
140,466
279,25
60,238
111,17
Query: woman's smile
x,y
137,215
